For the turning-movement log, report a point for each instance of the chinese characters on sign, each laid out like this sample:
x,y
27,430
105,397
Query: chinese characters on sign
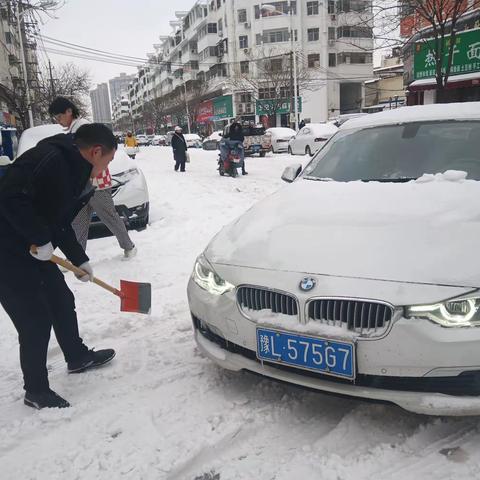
x,y
465,58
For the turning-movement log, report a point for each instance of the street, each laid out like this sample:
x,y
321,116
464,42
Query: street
x,y
163,411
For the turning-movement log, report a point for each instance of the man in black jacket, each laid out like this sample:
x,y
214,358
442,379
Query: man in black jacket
x,y
39,196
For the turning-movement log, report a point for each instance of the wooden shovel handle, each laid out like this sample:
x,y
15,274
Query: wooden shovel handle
x,y
78,271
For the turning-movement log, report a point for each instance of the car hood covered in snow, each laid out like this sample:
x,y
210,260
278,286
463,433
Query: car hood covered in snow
x,y
424,231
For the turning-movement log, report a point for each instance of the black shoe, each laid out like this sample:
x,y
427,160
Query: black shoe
x,y
91,359
244,172
48,399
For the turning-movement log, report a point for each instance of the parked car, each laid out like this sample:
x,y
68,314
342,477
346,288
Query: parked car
x,y
212,141
193,140
150,139
311,138
280,138
382,300
129,190
142,140
158,140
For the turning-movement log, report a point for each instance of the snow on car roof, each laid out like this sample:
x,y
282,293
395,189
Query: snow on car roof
x,y
322,128
418,113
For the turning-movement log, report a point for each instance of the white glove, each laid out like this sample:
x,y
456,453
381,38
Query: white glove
x,y
43,252
88,275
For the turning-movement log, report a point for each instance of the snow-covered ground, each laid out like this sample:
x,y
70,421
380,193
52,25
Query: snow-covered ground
x,y
162,411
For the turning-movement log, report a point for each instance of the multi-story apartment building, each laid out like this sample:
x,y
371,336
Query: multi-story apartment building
x,y
119,85
236,56
121,115
101,104
13,99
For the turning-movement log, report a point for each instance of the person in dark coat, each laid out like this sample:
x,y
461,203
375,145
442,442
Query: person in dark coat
x,y
301,124
179,146
40,195
235,139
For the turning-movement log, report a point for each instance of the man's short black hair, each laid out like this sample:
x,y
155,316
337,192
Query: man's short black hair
x,y
61,105
92,134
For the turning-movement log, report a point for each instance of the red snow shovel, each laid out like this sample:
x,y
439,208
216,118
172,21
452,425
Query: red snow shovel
x,y
134,296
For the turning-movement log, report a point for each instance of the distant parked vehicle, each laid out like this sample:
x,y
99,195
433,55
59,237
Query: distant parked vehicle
x,y
280,138
142,140
257,139
168,137
158,140
193,140
211,142
311,138
150,139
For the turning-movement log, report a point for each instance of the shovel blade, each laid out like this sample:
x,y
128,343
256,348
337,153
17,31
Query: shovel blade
x,y
135,297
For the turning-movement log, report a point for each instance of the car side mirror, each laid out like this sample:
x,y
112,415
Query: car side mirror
x,y
291,172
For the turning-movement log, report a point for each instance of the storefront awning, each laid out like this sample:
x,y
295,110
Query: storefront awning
x,y
457,81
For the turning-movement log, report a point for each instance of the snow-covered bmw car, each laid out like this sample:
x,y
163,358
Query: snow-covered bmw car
x,y
361,277
129,190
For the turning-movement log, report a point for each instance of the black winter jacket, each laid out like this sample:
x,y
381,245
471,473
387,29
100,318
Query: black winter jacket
x,y
40,195
235,132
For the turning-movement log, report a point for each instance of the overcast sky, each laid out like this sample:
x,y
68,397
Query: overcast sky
x,y
120,26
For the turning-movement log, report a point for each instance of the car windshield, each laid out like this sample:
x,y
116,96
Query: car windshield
x,y
399,152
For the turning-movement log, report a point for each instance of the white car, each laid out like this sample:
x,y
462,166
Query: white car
x,y
212,141
362,277
142,140
280,138
158,140
311,138
129,190
193,140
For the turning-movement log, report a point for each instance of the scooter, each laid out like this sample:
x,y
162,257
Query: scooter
x,y
228,167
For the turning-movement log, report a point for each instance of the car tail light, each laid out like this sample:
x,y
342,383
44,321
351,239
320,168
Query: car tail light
x,y
321,139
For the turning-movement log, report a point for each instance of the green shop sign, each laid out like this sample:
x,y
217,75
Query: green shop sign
x,y
269,107
466,55
222,108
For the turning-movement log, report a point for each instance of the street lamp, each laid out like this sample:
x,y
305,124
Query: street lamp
x,y
272,9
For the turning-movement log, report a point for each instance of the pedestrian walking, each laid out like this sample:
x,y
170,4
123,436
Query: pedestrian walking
x,y
39,196
67,115
179,146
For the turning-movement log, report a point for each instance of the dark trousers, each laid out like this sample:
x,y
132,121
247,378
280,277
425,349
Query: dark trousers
x,y
35,296
180,159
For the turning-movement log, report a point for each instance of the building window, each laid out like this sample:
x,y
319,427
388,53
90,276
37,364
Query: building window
x,y
354,5
267,93
313,34
243,41
242,15
274,65
313,60
244,67
211,28
312,8
355,57
332,33
331,7
274,36
332,60
354,32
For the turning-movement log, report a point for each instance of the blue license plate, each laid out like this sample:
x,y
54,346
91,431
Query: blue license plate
x,y
310,353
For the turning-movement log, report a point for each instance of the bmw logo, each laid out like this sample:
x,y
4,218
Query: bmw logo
x,y
307,284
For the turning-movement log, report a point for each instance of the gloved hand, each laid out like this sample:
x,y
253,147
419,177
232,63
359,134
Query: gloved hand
x,y
43,252
88,275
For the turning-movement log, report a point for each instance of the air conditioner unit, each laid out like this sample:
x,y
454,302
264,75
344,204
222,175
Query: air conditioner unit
x,y
246,51
333,18
240,108
249,108
247,25
220,34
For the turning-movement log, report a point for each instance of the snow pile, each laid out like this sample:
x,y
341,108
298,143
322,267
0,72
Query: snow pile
x,y
161,411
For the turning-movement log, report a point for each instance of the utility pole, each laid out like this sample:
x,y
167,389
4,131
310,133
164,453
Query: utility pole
x,y
19,15
52,84
294,54
292,87
186,106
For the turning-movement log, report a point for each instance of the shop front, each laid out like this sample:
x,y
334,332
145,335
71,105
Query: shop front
x,y
463,84
214,114
276,113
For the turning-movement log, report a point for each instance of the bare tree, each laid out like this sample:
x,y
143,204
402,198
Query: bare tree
x,y
431,22
66,80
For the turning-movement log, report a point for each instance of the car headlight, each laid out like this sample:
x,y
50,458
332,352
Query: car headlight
x,y
205,277
458,312
126,176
